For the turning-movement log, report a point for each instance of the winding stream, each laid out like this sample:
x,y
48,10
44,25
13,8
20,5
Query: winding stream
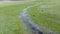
x,y
36,29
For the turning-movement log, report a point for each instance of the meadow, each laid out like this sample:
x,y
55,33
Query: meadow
x,y
47,15
10,23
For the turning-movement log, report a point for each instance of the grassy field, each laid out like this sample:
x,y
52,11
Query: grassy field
x,y
47,14
9,18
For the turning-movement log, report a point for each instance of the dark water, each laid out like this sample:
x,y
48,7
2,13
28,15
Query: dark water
x,y
27,21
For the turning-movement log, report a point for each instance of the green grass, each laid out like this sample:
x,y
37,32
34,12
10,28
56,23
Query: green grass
x,y
3,4
47,14
9,18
